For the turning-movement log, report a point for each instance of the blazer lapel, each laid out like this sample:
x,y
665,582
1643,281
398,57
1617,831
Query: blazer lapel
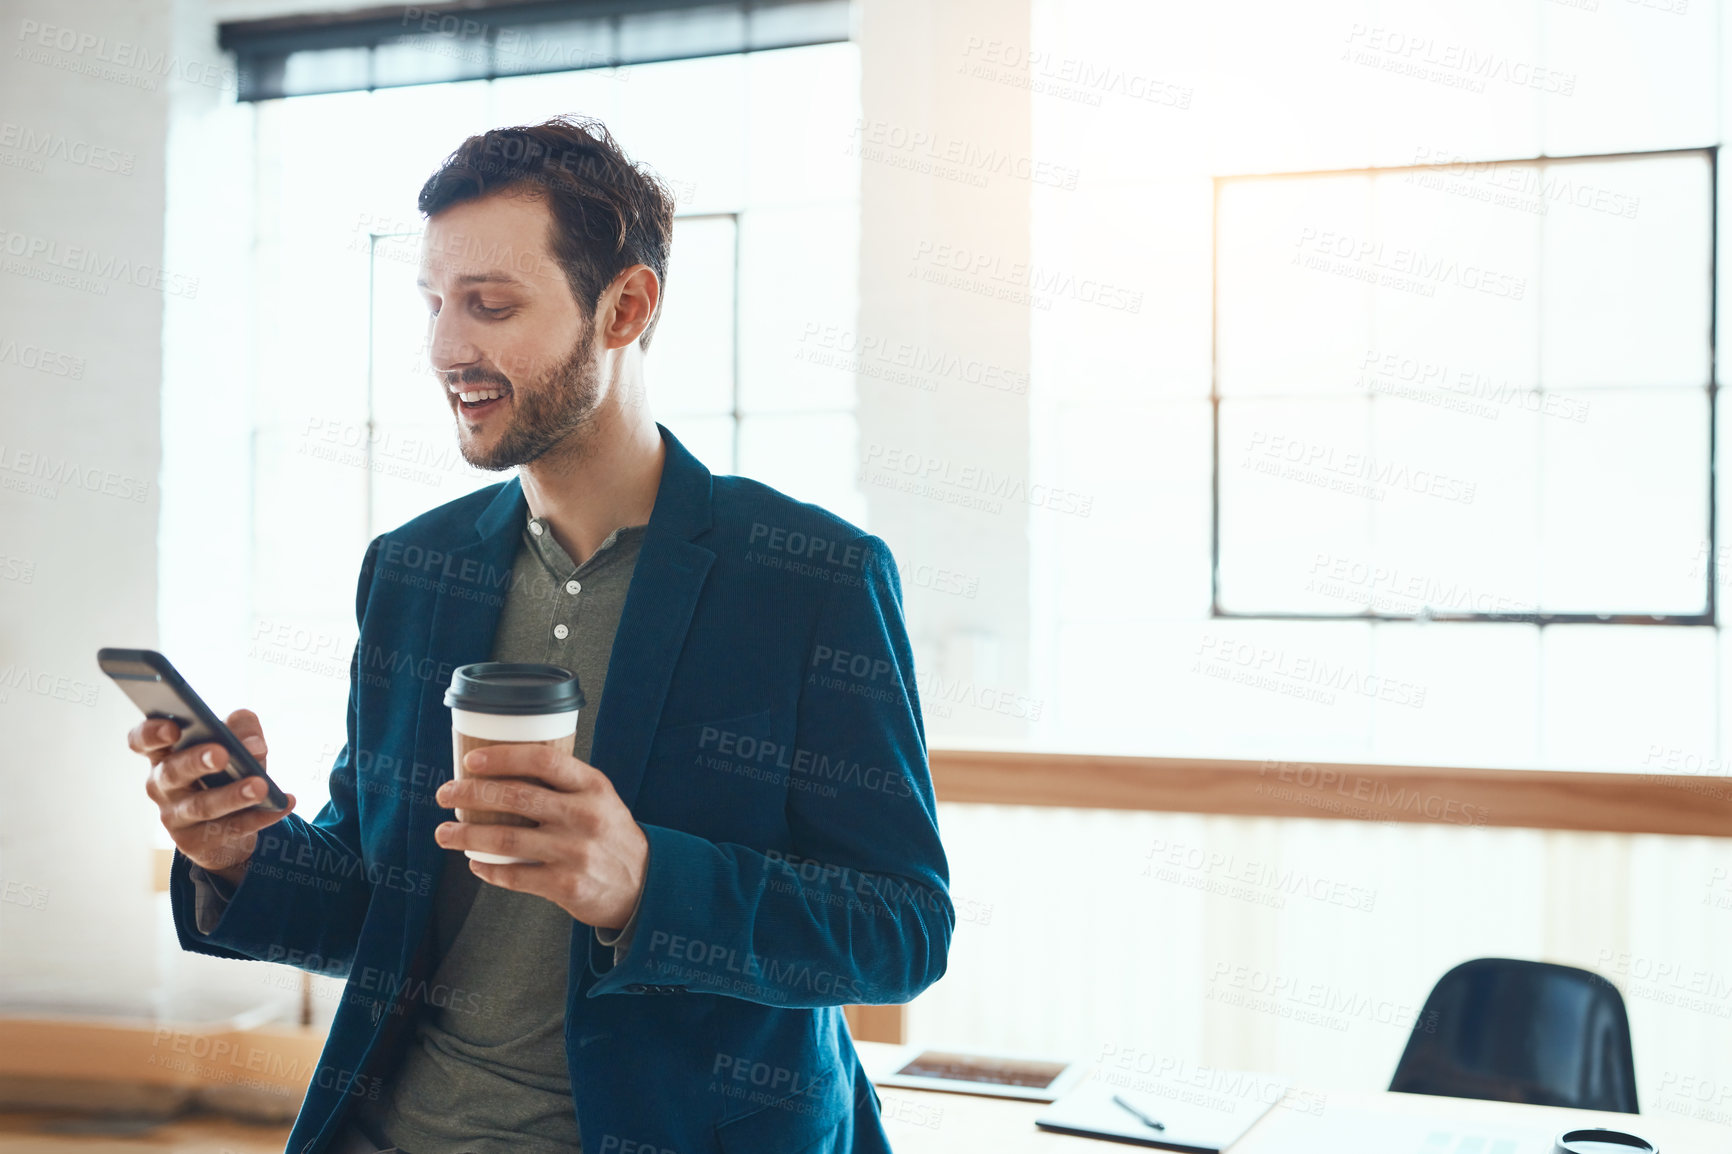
x,y
468,600
658,610
652,630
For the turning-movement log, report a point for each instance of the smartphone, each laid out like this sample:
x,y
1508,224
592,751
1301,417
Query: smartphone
x,y
157,688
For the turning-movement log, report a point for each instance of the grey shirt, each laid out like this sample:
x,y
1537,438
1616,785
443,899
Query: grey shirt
x,y
487,1072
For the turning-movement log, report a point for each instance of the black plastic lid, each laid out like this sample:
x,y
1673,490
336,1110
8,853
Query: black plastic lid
x,y
513,687
1600,1141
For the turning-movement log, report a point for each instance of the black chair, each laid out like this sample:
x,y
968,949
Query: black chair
x,y
1516,1031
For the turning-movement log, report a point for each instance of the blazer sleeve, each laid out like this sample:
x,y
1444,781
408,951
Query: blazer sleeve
x,y
306,890
857,909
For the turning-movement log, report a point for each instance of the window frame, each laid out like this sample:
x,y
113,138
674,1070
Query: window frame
x,y
1709,615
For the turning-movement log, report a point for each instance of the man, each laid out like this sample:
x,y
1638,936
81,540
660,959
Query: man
x,y
745,836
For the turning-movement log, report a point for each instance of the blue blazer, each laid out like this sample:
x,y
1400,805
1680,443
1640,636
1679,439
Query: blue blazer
x,y
760,719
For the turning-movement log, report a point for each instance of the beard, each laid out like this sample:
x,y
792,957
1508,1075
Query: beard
x,y
556,413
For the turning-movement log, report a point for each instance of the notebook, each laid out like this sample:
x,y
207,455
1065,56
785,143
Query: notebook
x,y
1203,1113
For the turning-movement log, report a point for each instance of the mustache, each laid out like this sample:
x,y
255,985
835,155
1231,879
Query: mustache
x,y
473,377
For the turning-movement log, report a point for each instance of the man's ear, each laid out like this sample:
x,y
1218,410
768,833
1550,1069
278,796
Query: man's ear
x,y
628,305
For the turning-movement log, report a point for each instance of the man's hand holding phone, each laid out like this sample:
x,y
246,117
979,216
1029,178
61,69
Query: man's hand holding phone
x,y
215,828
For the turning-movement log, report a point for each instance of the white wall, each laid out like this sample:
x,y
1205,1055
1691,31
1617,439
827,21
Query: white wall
x,y
927,199
83,220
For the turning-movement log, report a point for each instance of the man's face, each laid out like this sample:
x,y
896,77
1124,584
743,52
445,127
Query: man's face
x,y
505,331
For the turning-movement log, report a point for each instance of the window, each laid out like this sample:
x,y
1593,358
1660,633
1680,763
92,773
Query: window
x,y
1406,361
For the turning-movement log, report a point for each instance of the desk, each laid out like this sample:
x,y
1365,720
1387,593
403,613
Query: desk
x,y
1342,1122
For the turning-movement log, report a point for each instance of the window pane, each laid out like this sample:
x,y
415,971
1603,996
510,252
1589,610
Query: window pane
x,y
786,314
405,387
1455,531
1625,504
1294,489
809,456
416,467
709,439
297,668
532,99
309,250
311,496
390,165
703,154
1721,550
301,623
1461,255
796,149
691,360
1627,258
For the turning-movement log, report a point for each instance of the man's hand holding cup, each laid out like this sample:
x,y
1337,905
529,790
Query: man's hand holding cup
x,y
530,815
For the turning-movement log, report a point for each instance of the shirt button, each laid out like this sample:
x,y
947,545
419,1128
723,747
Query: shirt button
x,y
561,632
535,527
574,586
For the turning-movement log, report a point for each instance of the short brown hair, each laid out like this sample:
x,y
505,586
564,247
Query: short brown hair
x,y
609,213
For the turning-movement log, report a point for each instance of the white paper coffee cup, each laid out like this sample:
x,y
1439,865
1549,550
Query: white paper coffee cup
x,y
495,703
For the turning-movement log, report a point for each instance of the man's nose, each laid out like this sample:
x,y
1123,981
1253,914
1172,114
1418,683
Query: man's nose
x,y
448,348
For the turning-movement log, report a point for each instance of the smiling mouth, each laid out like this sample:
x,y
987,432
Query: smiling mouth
x,y
475,400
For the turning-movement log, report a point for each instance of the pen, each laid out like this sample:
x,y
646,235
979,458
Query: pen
x,y
1141,1117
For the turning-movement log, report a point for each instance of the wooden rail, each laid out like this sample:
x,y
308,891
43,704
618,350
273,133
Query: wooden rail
x,y
1685,805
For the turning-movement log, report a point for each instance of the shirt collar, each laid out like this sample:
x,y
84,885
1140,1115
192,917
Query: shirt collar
x,y
557,561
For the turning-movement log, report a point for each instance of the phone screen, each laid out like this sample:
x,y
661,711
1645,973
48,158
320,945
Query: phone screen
x,y
158,690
